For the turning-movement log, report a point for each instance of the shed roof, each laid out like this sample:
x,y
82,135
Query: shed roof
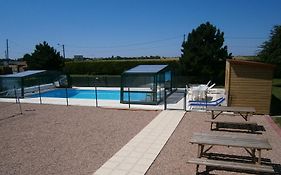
x,y
147,68
23,74
251,63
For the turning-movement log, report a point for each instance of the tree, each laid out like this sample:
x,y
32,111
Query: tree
x,y
203,51
44,57
271,49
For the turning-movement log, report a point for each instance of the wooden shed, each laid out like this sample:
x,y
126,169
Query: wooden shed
x,y
249,84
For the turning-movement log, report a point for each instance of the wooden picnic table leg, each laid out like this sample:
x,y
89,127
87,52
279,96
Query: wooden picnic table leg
x,y
254,155
215,116
200,150
211,126
259,158
245,117
198,155
197,169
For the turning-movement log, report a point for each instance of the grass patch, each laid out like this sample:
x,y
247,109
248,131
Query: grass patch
x,y
276,82
248,58
276,100
277,120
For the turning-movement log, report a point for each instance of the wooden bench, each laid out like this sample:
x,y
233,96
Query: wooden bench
x,y
221,123
242,111
230,165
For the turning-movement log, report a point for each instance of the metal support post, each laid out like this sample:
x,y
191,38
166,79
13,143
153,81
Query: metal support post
x,y
165,99
17,99
96,95
40,94
184,102
66,95
129,97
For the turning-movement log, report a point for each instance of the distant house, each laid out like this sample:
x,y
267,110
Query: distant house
x,y
18,66
9,66
78,56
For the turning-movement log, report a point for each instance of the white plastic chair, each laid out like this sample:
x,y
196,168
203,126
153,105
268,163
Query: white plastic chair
x,y
209,88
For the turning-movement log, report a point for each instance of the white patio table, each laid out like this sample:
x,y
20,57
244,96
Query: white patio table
x,y
198,92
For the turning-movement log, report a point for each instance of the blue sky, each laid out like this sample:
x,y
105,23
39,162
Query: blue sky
x,y
102,28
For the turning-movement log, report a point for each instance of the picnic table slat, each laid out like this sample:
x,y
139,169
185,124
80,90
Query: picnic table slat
x,y
231,109
231,140
232,165
232,122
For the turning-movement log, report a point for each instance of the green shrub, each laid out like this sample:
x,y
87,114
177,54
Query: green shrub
x,y
111,67
5,70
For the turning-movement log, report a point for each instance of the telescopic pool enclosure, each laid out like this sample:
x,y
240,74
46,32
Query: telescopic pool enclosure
x,y
146,84
20,84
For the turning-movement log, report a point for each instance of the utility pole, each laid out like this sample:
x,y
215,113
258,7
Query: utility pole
x,y
7,49
63,51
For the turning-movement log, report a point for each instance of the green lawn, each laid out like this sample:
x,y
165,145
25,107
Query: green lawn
x,y
276,82
275,108
278,120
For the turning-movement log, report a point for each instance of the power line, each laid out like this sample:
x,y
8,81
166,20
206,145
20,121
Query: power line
x,y
127,45
7,49
245,38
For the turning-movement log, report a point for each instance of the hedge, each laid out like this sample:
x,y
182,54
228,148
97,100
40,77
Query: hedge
x,y
112,67
5,70
117,67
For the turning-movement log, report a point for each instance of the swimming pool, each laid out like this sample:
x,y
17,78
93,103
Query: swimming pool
x,y
89,94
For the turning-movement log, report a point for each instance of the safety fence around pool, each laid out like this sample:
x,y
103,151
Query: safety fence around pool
x,y
35,89
95,97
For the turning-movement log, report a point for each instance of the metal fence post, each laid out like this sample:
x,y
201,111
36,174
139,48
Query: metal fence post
x,y
165,99
17,99
96,91
15,91
184,102
40,94
66,95
129,97
206,98
96,95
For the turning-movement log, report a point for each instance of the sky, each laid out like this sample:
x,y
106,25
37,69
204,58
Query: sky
x,y
105,28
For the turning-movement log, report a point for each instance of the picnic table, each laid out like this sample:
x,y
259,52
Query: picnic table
x,y
242,111
250,143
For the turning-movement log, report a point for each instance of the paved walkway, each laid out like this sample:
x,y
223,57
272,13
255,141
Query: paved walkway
x,y
139,153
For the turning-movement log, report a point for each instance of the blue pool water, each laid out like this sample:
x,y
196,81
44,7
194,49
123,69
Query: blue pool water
x,y
90,94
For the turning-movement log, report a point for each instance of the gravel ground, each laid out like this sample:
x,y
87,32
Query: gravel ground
x,y
50,139
173,157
